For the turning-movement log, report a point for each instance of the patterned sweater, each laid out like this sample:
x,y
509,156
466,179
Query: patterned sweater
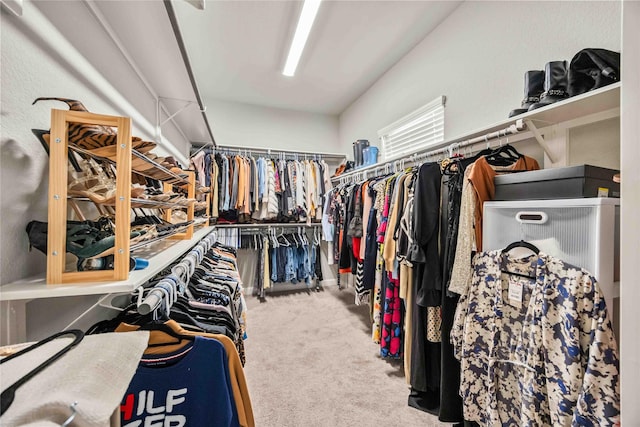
x,y
535,352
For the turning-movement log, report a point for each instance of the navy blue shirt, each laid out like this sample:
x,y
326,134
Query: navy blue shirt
x,y
190,387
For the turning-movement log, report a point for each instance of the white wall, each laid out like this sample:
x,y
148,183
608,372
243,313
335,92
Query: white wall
x,y
28,71
630,231
477,58
31,68
246,125
240,124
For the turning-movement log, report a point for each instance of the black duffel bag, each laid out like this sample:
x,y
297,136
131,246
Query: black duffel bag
x,y
592,69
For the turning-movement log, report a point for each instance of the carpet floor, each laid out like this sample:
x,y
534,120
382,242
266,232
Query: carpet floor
x,y
311,363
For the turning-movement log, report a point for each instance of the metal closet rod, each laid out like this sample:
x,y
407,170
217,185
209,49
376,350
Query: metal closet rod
x,y
269,151
185,57
267,225
513,129
208,144
155,296
259,229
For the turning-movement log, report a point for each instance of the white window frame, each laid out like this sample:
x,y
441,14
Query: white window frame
x,y
418,130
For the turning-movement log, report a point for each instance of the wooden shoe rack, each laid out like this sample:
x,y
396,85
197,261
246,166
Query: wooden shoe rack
x,y
191,194
58,196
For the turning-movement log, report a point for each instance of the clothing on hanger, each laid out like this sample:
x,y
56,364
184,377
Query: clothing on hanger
x,y
522,361
95,373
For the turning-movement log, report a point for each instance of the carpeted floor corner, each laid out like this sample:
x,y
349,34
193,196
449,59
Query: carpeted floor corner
x,y
311,363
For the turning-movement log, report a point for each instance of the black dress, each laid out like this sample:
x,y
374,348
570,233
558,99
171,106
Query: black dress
x,y
424,254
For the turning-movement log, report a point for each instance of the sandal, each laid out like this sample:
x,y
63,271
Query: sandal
x,y
85,239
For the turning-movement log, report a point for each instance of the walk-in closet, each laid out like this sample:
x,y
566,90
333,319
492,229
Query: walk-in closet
x,y
319,213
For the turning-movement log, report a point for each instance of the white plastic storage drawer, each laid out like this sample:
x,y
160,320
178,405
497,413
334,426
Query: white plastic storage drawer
x,y
582,232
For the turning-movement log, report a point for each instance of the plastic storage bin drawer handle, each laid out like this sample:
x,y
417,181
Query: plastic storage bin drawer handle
x,y
527,217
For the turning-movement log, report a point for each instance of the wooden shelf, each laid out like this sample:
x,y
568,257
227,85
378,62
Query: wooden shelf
x,y
159,256
587,108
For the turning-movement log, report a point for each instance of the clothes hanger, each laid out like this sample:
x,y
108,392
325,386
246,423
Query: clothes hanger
x,y
504,155
158,324
520,244
8,395
291,236
285,239
72,416
166,329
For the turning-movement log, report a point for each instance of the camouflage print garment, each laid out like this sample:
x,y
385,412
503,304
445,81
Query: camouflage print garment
x,y
535,352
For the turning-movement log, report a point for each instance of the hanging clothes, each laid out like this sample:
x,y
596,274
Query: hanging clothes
x,y
477,189
185,376
450,400
391,337
95,372
407,239
427,285
293,259
537,351
167,379
249,189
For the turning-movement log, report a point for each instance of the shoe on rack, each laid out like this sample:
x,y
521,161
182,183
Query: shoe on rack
x,y
340,169
85,239
358,148
95,137
95,184
533,88
85,135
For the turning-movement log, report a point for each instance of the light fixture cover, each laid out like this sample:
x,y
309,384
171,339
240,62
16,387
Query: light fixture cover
x,y
307,16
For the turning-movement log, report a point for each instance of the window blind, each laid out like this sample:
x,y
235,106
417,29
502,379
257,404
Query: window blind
x,y
418,130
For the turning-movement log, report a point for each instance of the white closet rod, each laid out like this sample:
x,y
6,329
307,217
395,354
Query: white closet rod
x,y
398,163
269,151
91,5
153,299
265,225
208,144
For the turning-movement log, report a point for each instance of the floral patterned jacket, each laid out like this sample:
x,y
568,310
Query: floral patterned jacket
x,y
535,352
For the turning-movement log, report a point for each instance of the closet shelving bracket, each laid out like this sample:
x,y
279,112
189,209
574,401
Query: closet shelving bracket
x,y
545,125
540,138
160,122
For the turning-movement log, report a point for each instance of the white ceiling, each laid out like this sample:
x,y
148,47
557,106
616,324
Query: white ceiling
x,y
144,32
238,48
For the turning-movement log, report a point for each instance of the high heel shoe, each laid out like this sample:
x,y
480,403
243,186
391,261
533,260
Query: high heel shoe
x,y
44,137
96,185
98,138
85,135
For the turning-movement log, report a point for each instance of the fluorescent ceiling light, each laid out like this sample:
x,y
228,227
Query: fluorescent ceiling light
x,y
307,16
